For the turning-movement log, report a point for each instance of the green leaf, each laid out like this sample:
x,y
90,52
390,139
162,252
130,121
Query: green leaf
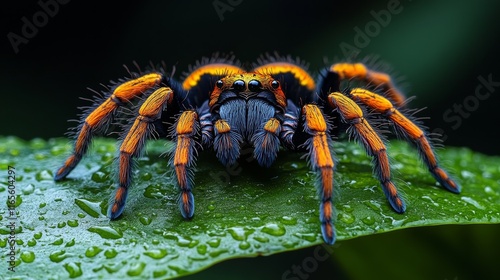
x,y
62,230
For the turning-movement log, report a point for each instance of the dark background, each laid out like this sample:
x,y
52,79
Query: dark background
x,y
440,48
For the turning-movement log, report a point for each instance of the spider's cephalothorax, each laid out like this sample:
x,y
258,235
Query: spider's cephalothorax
x,y
275,104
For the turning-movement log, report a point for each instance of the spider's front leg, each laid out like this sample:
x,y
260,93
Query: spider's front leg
x,y
133,143
352,114
410,131
97,120
318,145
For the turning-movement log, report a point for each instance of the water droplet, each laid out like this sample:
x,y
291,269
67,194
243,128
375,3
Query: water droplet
x,y
40,156
31,242
346,218
214,243
110,253
217,253
71,243
261,238
145,220
274,229
373,205
91,208
347,208
28,189
73,223
28,256
472,202
58,256
489,190
156,254
37,235
287,220
368,220
159,273
61,224
57,150
153,191
44,175
146,176
106,232
81,215
92,251
201,249
211,207
238,233
99,177
244,245
311,237
58,241
66,212
74,269
136,269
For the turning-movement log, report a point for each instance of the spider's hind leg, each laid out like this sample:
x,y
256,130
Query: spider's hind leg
x,y
352,114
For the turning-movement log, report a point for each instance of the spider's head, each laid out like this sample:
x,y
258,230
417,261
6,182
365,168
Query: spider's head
x,y
247,86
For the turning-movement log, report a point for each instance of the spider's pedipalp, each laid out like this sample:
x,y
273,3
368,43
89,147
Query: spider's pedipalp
x,y
99,118
352,114
411,132
183,159
321,160
347,71
133,143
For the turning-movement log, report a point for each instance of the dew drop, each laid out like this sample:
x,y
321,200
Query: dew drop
x,y
145,220
311,237
261,238
136,269
153,191
156,254
287,220
106,232
347,218
61,224
214,243
92,251
146,176
73,223
74,269
159,273
91,208
211,207
110,253
368,220
217,253
58,256
31,242
274,229
58,241
28,189
99,177
37,235
71,243
472,202
244,245
28,256
201,249
44,175
238,233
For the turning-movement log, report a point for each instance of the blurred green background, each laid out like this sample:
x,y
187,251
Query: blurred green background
x,y
439,48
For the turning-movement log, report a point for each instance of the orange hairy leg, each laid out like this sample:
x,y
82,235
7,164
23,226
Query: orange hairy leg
x,y
299,73
320,157
410,130
99,118
347,71
133,144
352,114
183,159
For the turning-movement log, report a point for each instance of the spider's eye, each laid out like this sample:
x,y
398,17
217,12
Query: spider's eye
x,y
239,85
219,83
275,84
254,85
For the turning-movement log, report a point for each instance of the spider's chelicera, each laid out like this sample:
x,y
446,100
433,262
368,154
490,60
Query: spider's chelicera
x,y
277,103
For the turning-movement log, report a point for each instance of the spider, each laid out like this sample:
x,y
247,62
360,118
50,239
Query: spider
x,y
276,103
